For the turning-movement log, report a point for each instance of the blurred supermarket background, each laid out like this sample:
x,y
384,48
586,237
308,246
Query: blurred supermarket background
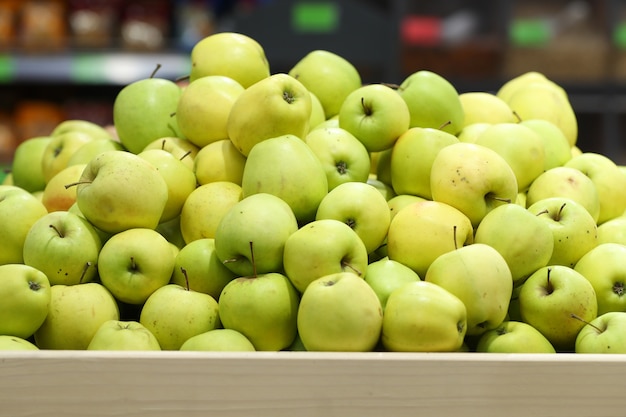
x,y
63,59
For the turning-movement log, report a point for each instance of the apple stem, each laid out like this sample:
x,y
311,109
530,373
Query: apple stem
x,y
549,288
185,155
182,78
546,211
560,212
577,317
133,265
184,272
163,145
356,271
158,67
84,272
76,183
445,124
53,227
517,116
252,259
454,237
172,114
505,200
366,109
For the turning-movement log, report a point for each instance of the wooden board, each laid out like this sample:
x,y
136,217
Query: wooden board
x,y
276,384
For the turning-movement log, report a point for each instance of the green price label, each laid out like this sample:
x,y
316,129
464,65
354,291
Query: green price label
x,y
530,32
619,35
7,68
315,17
87,68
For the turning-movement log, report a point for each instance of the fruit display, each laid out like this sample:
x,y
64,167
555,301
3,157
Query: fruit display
x,y
246,210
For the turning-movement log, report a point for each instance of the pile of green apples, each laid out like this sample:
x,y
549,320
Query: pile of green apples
x,y
254,211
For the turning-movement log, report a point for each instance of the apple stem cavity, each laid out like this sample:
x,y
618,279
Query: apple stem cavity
x,y
158,67
73,184
577,317
184,272
53,227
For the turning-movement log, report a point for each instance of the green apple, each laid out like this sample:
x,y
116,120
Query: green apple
x,y
485,107
59,151
27,163
480,277
218,340
198,266
134,263
603,267
401,201
287,168
219,161
604,334
263,308
613,231
242,241
90,150
181,148
144,111
573,228
423,231
119,190
64,246
423,317
383,165
85,126
511,85
412,158
472,178
521,148
557,149
329,76
317,112
471,132
56,196
230,54
204,208
608,179
385,189
275,106
204,106
174,314
522,238
74,316
339,312
342,155
14,343
323,247
549,298
361,207
19,210
123,335
385,275
566,182
432,101
25,294
514,337
180,180
376,115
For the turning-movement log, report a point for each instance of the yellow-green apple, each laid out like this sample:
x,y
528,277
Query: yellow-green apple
x,y
219,161
376,115
64,246
323,247
485,107
412,158
230,54
423,317
604,334
275,106
361,207
74,316
470,132
198,266
204,208
27,164
549,298
144,111
523,239
90,150
85,126
123,335
56,196
385,189
317,112
286,167
180,180
14,343
242,241
218,340
424,230
603,266
204,106
342,155
174,314
511,85
340,312
19,210
25,294
557,149
400,201
566,182
383,165
181,148
480,277
472,178
613,231
118,190
263,307
329,76
134,263
573,229
608,179
514,337
385,275
432,101
59,151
